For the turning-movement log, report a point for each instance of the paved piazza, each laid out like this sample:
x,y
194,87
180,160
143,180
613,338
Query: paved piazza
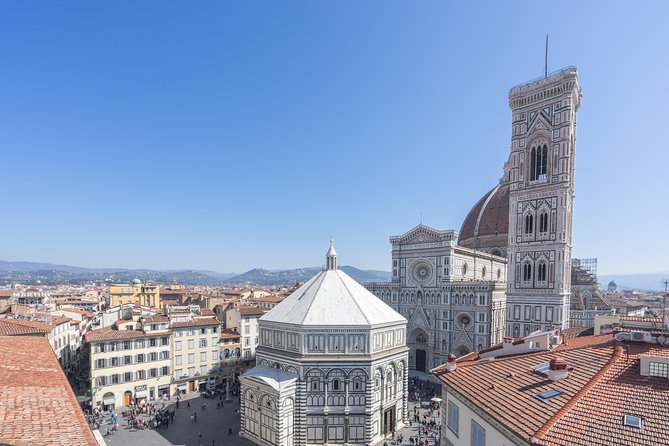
x,y
214,423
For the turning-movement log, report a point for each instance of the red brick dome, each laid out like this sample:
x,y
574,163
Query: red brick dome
x,y
487,224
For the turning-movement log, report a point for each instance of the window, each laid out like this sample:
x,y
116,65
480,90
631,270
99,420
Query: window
x,y
633,421
177,360
203,330
203,342
100,364
153,342
247,341
335,384
178,333
481,300
153,373
127,360
541,272
453,417
191,358
543,223
660,369
127,377
191,344
190,332
140,358
478,434
548,394
203,356
214,355
141,374
527,272
538,162
529,224
177,346
203,370
164,371
464,269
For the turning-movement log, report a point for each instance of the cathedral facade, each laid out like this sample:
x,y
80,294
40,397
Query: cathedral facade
x,y
453,297
522,228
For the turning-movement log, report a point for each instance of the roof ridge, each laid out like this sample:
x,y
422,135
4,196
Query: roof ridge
x,y
322,276
543,430
353,298
483,208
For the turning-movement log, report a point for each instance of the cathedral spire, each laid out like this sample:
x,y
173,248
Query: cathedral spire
x,y
331,257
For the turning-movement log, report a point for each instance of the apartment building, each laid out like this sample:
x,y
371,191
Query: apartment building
x,y
245,320
145,294
196,352
130,362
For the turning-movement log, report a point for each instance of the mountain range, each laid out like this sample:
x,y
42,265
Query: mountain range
x,y
52,274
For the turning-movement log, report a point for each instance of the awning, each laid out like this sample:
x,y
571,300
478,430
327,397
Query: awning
x,y
182,387
164,387
108,401
141,394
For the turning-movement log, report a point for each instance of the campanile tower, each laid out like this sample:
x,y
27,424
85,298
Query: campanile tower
x,y
540,175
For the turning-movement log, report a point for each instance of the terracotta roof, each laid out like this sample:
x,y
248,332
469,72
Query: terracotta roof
x,y
657,320
488,217
112,334
6,293
250,311
37,405
196,323
270,299
13,327
229,334
206,312
603,386
157,318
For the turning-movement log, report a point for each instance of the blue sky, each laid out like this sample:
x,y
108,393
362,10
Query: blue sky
x,y
231,135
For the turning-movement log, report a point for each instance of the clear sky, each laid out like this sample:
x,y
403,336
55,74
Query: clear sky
x,y
232,135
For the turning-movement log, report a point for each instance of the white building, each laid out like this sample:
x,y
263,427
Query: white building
x,y
331,367
245,320
453,297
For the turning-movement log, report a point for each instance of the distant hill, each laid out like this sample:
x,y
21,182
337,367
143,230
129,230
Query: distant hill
x,y
50,274
264,277
641,282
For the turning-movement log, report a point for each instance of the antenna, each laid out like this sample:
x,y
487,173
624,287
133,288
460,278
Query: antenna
x,y
546,62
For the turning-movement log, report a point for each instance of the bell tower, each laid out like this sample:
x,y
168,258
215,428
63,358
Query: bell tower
x,y
540,174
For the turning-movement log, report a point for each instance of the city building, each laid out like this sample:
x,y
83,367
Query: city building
x,y
587,300
245,320
331,367
230,353
37,404
453,297
196,352
63,336
589,390
136,292
130,362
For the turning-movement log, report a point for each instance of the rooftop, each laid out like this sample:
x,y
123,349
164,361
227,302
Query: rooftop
x,y
604,385
37,405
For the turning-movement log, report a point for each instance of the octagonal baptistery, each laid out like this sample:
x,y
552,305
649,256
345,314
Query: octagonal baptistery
x,y
331,367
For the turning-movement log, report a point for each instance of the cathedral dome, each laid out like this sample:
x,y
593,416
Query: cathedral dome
x,y
487,224
332,298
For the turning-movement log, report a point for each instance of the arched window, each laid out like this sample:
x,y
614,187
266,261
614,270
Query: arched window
x,y
538,162
335,384
527,272
541,272
529,224
543,222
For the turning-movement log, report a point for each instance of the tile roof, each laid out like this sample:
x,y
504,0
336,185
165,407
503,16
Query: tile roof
x,y
229,334
112,334
196,322
603,386
250,311
37,405
13,327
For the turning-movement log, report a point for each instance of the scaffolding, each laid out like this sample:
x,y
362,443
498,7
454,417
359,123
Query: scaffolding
x,y
589,265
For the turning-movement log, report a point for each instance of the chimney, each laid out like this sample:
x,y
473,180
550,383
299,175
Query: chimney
x,y
557,369
450,365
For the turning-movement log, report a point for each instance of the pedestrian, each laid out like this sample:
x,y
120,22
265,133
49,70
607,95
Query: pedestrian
x,y
188,404
230,431
177,403
195,416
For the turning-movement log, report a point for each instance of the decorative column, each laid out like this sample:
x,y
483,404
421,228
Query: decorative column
x,y
325,411
369,403
346,411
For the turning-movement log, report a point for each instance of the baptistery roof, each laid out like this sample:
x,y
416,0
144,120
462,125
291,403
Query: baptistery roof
x,y
332,298
487,224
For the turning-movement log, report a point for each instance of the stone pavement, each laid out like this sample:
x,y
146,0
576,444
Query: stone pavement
x,y
213,423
